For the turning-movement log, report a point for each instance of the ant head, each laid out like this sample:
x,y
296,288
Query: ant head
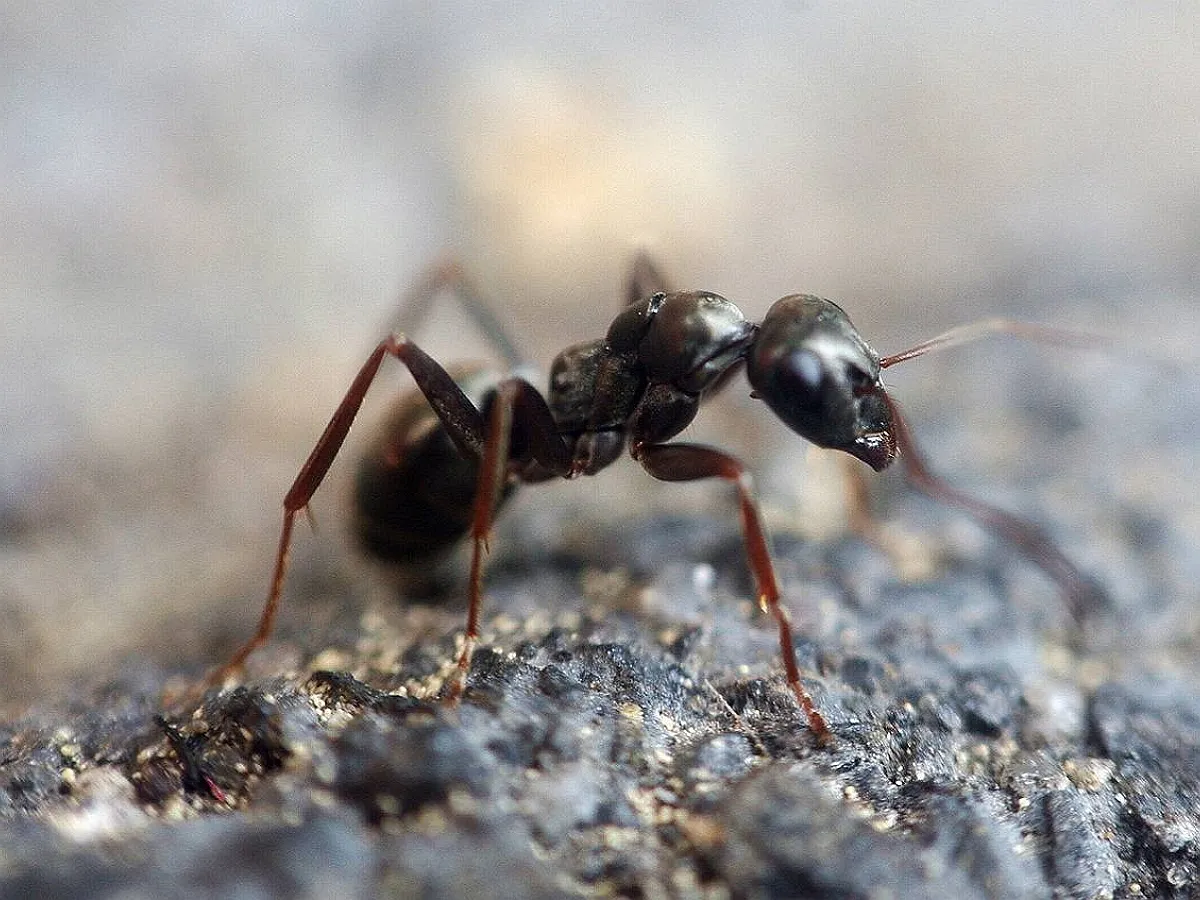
x,y
813,369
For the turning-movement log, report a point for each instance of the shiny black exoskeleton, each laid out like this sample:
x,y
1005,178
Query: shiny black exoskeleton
x,y
641,385
445,461
814,370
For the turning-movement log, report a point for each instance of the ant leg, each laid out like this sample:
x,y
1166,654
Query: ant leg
x,y
516,410
1082,595
493,472
464,425
692,462
911,561
448,276
860,518
645,278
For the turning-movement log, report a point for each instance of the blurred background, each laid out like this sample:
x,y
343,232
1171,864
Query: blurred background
x,y
208,210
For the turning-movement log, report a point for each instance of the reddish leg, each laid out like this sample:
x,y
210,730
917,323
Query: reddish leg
x,y
464,424
493,472
860,519
691,462
645,279
449,278
1081,594
517,406
517,411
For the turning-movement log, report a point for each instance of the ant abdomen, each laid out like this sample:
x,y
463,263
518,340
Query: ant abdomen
x,y
414,491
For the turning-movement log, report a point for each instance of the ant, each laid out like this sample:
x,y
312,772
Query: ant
x,y
448,457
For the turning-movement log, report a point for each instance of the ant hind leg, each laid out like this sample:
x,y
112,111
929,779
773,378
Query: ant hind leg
x,y
448,277
464,425
645,278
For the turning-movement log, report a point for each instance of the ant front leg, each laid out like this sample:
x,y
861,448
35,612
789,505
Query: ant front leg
x,y
463,422
692,462
1081,594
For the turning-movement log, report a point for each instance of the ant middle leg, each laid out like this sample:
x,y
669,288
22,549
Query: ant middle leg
x,y
518,420
692,462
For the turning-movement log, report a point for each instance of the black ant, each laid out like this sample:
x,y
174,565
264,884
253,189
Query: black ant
x,y
444,464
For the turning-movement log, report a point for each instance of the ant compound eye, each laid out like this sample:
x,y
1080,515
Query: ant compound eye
x,y
800,383
808,395
806,369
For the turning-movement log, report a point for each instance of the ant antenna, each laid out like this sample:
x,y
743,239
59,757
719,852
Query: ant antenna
x,y
974,331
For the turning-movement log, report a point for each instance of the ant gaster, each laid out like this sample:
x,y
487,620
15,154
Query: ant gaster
x,y
441,468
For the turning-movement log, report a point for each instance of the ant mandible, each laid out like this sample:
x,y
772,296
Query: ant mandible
x,y
640,385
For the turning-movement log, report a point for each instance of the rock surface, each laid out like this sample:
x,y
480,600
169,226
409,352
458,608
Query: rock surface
x,y
626,731
631,736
